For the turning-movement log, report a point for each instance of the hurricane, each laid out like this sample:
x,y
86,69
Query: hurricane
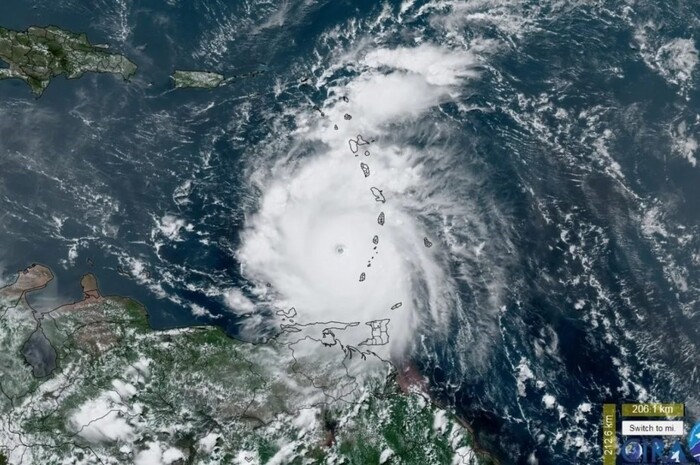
x,y
348,223
497,200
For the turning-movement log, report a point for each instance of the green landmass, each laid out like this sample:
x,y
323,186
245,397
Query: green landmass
x,y
124,393
197,79
41,53
207,79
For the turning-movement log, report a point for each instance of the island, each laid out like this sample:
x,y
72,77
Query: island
x,y
41,53
197,79
207,79
121,392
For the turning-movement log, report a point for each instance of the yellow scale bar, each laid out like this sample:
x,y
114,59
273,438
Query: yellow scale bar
x,y
653,410
609,434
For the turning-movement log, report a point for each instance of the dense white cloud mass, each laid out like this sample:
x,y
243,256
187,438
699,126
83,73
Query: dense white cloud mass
x,y
339,233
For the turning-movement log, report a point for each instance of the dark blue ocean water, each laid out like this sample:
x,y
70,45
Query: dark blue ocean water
x,y
576,138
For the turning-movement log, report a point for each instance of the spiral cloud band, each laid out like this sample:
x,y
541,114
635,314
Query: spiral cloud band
x,y
338,242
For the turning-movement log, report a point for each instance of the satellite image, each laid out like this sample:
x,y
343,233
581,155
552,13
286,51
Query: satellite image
x,y
411,232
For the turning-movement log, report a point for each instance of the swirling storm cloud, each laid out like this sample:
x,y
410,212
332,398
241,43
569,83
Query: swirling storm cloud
x,y
343,231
